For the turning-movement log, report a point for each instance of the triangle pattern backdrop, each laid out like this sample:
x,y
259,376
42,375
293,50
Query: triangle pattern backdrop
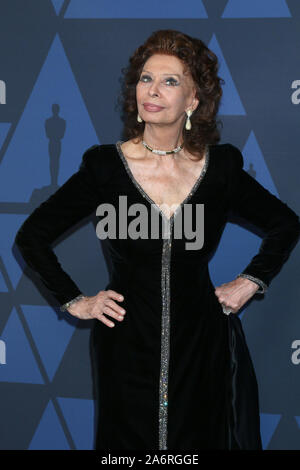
x,y
56,119
136,9
57,4
256,9
55,84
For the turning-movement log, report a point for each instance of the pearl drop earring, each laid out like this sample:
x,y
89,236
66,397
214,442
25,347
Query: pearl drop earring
x,y
139,119
188,124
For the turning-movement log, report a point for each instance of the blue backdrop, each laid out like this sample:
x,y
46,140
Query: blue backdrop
x,y
61,63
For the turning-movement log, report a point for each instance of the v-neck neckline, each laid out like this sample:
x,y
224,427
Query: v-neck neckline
x,y
146,195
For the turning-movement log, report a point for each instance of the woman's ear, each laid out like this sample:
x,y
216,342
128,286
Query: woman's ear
x,y
195,103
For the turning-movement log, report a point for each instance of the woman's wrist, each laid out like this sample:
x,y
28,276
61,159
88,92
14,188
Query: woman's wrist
x,y
262,287
65,306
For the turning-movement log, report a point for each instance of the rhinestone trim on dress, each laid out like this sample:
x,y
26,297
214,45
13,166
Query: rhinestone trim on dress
x,y
165,294
165,343
65,306
262,286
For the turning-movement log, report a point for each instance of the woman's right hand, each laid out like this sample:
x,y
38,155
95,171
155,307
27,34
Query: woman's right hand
x,y
95,306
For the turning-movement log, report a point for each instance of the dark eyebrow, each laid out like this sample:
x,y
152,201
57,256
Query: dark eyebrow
x,y
163,73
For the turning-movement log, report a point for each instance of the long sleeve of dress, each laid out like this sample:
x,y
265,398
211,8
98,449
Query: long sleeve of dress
x,y
280,224
77,198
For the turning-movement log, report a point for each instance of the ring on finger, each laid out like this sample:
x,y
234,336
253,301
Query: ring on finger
x,y
226,310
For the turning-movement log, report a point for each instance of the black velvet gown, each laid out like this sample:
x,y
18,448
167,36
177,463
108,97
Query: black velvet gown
x,y
176,373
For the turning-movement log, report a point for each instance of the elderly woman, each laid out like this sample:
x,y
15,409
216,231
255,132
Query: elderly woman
x,y
173,371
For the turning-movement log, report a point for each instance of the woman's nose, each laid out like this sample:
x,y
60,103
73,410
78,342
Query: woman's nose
x,y
153,89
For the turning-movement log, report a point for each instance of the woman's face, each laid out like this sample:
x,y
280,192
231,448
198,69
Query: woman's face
x,y
163,83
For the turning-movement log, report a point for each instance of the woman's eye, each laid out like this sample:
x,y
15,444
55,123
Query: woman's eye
x,y
172,81
144,76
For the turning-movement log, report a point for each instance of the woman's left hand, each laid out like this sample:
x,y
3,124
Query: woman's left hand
x,y
234,294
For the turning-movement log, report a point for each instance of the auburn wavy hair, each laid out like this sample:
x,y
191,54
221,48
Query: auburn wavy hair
x,y
203,66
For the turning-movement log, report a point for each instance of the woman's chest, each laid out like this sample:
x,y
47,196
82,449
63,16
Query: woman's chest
x,y
132,198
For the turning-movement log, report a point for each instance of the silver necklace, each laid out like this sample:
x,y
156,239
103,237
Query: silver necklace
x,y
162,152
